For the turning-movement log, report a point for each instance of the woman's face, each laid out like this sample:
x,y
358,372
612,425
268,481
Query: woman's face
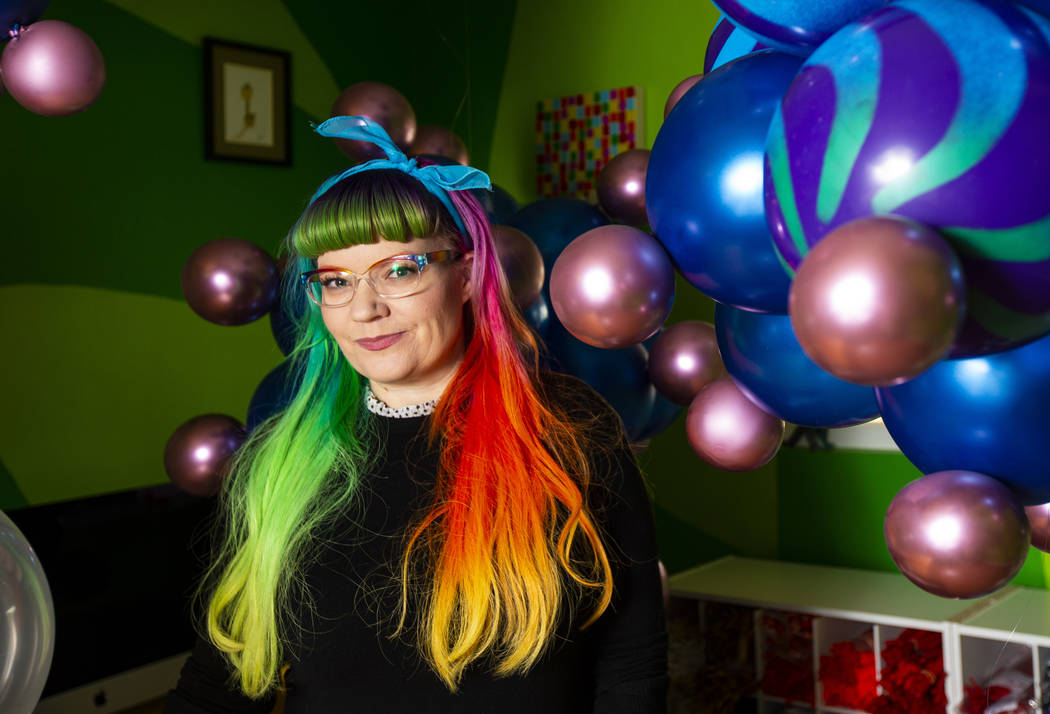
x,y
423,331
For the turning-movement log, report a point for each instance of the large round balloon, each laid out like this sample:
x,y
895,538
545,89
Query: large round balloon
x,y
538,315
797,26
382,104
763,356
684,359
20,12
230,281
612,287
621,187
665,412
1042,6
439,141
553,223
957,534
703,188
729,431
273,394
499,205
878,301
53,68
521,262
198,452
986,414
914,113
1039,520
727,43
27,622
620,376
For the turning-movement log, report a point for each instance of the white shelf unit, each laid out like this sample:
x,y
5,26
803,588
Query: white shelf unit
x,y
847,602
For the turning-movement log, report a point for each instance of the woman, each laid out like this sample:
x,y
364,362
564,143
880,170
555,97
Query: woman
x,y
432,524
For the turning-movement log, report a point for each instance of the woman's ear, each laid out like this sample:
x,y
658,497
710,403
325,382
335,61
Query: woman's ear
x,y
467,268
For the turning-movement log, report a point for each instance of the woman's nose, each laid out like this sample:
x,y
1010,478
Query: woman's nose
x,y
366,304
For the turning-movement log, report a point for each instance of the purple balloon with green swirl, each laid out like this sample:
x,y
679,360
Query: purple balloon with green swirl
x,y
727,42
795,26
938,111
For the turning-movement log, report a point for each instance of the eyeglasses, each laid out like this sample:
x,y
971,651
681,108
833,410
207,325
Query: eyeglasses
x,y
394,277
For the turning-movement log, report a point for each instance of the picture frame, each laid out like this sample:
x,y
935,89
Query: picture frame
x,y
247,103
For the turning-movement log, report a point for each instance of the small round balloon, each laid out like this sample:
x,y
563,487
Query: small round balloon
x,y
986,414
621,187
878,301
679,91
1039,521
612,287
382,104
521,262
913,113
439,141
684,359
27,622
230,281
766,361
729,431
198,452
957,534
538,315
703,189
727,43
53,69
796,26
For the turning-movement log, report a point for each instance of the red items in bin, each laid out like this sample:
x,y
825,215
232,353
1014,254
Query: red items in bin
x,y
788,656
912,675
847,675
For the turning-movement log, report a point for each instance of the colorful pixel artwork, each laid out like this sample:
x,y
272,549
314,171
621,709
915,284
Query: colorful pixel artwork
x,y
578,134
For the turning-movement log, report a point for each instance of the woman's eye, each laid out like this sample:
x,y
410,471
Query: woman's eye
x,y
400,271
333,282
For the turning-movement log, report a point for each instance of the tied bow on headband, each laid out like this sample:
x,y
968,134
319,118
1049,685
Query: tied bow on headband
x,y
439,180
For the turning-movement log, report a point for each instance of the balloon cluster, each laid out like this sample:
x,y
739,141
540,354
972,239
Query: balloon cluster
x,y
864,204
48,66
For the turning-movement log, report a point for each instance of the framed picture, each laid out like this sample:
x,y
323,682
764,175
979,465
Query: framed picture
x,y
247,103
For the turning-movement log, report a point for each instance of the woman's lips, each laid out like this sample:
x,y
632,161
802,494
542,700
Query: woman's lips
x,y
379,343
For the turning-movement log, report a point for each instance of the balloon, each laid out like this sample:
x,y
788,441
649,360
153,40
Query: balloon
x,y
553,223
273,394
538,314
612,287
914,113
230,281
53,69
957,534
21,12
498,204
730,432
684,359
878,301
767,363
439,141
679,91
621,187
197,453
665,586
665,412
283,329
985,414
797,26
522,263
703,188
27,622
1040,6
727,43
620,376
382,104
1039,521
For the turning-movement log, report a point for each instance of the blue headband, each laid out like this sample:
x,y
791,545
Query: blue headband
x,y
439,180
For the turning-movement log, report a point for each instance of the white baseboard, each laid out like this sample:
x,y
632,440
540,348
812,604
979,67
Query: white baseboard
x,y
121,691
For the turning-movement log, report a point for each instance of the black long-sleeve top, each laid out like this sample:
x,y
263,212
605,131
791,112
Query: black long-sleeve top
x,y
345,663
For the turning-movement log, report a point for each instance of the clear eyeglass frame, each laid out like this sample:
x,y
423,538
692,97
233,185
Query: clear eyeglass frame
x,y
312,280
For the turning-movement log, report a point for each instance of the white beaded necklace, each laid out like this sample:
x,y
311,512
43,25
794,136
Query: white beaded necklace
x,y
377,406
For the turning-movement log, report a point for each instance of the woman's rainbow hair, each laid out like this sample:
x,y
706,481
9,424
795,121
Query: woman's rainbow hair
x,y
488,565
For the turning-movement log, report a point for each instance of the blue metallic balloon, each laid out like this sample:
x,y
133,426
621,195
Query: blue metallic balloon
x,y
273,394
986,414
1042,6
553,223
704,183
796,26
764,358
23,12
539,315
664,414
728,42
498,204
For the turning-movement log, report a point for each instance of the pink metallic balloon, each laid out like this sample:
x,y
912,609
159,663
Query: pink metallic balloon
x,y
679,91
1039,520
522,263
684,359
957,534
53,68
439,141
621,187
728,431
382,104
198,452
878,301
612,287
230,281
